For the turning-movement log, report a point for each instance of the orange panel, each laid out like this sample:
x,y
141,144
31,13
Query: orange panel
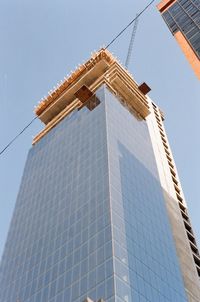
x,y
189,53
165,4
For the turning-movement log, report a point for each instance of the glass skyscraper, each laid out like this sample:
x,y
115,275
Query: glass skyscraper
x,y
183,19
98,214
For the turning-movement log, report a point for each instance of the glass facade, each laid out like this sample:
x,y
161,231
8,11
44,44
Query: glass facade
x,y
184,16
59,244
90,217
146,267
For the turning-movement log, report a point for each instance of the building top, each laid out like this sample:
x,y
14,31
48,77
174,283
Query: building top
x,y
101,68
77,74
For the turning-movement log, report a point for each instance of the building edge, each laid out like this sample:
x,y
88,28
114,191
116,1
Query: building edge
x,y
176,205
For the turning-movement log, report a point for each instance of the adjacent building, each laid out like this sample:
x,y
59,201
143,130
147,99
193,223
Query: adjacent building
x,y
100,214
183,19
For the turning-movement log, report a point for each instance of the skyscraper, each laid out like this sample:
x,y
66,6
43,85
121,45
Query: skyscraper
x,y
183,19
100,212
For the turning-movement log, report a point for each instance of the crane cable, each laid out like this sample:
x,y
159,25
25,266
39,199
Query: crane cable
x,y
125,28
14,138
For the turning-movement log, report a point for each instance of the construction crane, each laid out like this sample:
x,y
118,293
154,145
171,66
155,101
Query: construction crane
x,y
130,49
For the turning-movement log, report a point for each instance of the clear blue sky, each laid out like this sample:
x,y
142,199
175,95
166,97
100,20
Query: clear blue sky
x,y
42,41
